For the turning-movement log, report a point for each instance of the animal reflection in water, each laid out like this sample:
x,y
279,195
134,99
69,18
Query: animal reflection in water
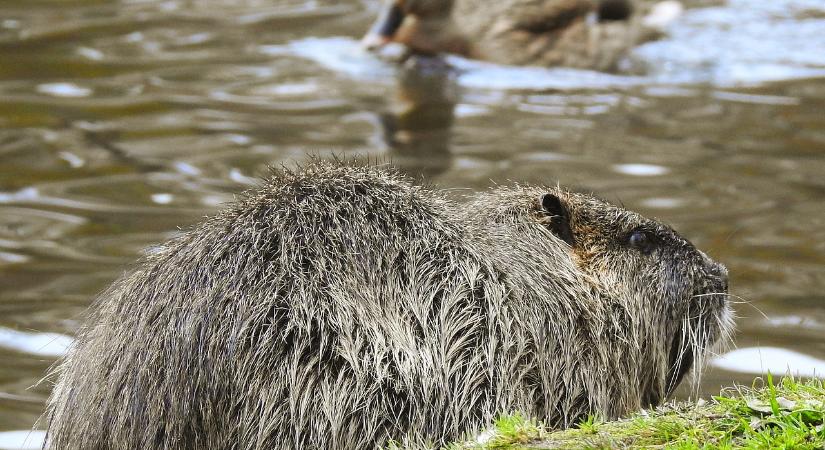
x,y
418,126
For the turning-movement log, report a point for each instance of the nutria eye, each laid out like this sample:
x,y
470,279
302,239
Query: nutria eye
x,y
642,241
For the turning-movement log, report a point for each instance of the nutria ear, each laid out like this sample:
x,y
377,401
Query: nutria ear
x,y
558,217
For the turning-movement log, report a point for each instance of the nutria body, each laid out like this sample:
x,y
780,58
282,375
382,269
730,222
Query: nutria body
x,y
341,306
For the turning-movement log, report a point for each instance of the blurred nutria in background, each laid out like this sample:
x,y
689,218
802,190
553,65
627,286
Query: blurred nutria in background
x,y
584,34
340,306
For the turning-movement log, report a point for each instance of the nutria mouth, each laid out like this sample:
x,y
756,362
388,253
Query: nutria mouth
x,y
680,360
693,332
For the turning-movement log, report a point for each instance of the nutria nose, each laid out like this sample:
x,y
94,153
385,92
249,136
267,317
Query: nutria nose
x,y
718,272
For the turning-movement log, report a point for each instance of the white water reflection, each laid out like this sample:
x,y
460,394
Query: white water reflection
x,y
742,42
90,53
43,344
663,202
641,170
482,75
64,90
778,361
345,55
22,439
339,54
12,258
164,198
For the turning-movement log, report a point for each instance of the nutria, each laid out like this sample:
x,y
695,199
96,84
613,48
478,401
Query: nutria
x,y
585,34
339,306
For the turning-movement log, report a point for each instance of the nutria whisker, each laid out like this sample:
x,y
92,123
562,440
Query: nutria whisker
x,y
739,301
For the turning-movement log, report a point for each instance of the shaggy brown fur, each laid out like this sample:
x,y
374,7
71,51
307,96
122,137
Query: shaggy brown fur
x,y
340,307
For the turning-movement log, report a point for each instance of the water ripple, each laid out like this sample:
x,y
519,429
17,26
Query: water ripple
x,y
43,344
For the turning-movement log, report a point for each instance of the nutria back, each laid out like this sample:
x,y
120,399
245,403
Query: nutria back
x,y
340,306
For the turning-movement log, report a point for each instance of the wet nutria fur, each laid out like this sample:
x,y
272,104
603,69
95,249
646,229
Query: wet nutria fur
x,y
340,306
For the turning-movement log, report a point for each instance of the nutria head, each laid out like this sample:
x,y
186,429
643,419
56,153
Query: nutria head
x,y
678,293
423,26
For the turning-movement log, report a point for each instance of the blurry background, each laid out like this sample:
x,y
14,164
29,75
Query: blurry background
x,y
123,121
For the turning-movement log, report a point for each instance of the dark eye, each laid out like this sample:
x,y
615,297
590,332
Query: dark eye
x,y
642,241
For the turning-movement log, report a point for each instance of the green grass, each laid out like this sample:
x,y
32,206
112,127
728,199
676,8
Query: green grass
x,y
788,415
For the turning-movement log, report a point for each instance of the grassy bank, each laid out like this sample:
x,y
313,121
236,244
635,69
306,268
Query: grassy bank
x,y
788,415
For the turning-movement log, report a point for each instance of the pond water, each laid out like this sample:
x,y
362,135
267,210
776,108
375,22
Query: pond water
x,y
123,121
